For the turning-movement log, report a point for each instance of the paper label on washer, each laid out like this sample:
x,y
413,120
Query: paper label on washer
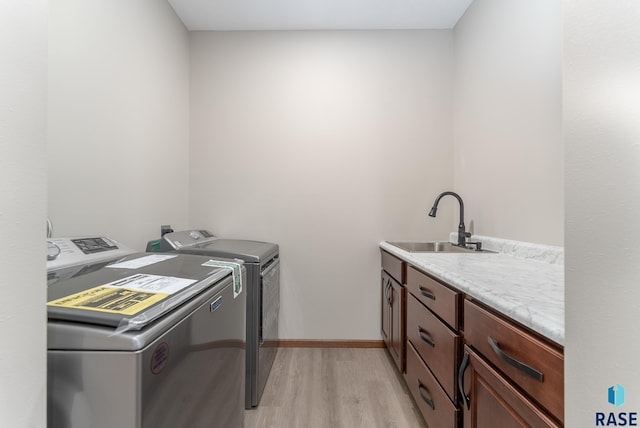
x,y
127,296
153,283
235,272
114,300
142,261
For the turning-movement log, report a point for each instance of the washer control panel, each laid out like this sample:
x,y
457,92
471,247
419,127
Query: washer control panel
x,y
94,245
65,252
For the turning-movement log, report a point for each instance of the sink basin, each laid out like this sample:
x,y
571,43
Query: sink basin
x,y
433,247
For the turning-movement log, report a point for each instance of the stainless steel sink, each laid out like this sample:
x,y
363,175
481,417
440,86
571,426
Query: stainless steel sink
x,y
434,247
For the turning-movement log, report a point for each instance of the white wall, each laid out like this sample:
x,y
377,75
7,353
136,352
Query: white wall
x,y
118,119
325,143
23,73
508,152
602,132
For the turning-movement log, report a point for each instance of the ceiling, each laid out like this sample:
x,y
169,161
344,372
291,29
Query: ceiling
x,y
235,15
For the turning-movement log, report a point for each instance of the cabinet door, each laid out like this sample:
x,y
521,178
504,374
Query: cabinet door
x,y
532,364
398,304
385,328
489,400
393,319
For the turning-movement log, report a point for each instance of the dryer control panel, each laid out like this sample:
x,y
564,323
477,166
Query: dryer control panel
x,y
66,252
177,240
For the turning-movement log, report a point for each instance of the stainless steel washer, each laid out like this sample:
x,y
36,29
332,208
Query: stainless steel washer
x,y
262,260
143,340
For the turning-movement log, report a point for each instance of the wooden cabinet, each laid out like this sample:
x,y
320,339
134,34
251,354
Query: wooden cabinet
x,y
395,267
433,347
442,300
466,364
393,308
492,401
513,371
434,404
387,309
436,344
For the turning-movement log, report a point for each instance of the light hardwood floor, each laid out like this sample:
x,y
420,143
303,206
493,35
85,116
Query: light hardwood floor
x,y
334,388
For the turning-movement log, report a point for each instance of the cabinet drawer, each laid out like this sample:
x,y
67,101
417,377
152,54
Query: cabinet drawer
x,y
535,366
435,406
394,266
435,342
442,300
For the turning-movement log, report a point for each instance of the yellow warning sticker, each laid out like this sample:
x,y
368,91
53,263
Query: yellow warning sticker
x,y
114,300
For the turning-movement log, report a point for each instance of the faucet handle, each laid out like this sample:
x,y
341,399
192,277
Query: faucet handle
x,y
478,245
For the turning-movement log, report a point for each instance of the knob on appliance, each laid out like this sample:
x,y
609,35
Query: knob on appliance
x,y
53,251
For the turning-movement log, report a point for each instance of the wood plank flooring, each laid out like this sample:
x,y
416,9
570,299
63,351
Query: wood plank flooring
x,y
334,388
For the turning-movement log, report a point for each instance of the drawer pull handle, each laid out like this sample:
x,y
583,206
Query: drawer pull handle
x,y
463,368
424,335
531,371
426,293
424,394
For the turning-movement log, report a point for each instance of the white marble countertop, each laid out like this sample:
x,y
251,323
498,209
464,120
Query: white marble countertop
x,y
525,283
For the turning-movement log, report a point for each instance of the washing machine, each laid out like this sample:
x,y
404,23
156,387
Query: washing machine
x,y
262,261
140,340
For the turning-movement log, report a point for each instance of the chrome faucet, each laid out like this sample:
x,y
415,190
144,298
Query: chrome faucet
x,y
462,233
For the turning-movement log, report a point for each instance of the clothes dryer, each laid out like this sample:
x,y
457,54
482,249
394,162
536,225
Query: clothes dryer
x,y
262,261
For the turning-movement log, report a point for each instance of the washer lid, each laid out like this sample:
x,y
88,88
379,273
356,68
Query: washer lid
x,y
249,251
139,286
76,336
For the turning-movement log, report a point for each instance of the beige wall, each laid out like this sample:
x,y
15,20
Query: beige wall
x,y
508,151
354,131
602,131
326,143
118,119
23,74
